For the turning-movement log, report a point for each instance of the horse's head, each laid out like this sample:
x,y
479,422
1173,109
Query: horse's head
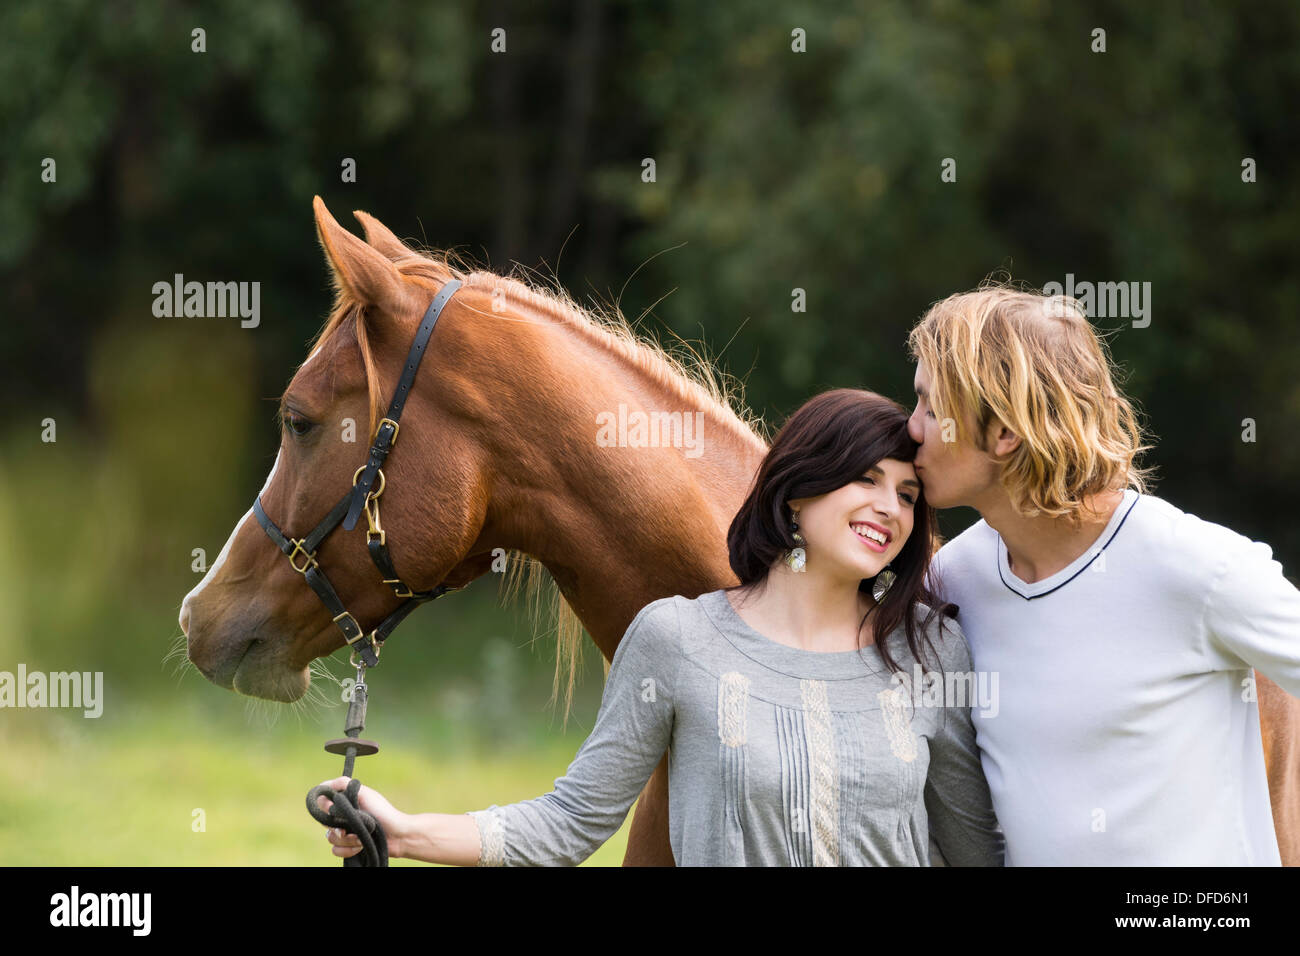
x,y
253,624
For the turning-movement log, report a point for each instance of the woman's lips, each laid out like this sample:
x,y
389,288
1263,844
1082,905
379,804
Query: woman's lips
x,y
875,546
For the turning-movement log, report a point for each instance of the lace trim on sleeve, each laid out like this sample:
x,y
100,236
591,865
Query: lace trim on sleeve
x,y
492,838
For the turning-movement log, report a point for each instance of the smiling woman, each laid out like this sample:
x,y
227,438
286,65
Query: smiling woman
x,y
843,462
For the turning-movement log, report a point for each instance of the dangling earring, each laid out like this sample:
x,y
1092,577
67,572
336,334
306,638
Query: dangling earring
x,y
884,581
797,557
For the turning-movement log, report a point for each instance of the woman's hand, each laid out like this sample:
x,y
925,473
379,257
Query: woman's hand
x,y
448,838
396,824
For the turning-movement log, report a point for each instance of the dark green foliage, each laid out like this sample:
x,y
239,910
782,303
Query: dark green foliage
x,y
775,170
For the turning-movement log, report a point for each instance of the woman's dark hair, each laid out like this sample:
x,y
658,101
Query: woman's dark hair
x,y
832,440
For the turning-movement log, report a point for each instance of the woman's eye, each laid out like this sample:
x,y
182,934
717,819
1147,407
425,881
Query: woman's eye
x,y
911,501
867,478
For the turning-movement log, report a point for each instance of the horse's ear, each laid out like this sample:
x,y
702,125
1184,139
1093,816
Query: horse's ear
x,y
361,273
381,237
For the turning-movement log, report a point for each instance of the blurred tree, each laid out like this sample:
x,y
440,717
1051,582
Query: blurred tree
x,y
776,170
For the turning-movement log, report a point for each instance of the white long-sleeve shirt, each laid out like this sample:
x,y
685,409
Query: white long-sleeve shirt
x,y
1127,731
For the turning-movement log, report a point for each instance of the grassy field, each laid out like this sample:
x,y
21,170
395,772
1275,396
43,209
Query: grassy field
x,y
459,706
85,793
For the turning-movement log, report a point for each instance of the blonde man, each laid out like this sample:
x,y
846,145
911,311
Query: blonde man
x,y
1122,630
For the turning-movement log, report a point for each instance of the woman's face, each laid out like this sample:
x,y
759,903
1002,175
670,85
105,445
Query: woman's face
x,y
841,529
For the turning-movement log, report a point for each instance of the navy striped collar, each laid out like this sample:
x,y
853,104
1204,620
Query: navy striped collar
x,y
1080,564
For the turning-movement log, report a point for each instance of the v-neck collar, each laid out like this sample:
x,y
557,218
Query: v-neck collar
x,y
1067,574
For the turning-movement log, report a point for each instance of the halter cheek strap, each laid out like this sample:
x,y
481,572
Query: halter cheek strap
x,y
302,551
386,433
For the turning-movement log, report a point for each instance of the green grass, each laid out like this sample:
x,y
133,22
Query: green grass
x,y
458,706
86,793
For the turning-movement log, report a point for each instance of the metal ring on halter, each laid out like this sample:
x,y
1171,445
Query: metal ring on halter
x,y
377,645
378,491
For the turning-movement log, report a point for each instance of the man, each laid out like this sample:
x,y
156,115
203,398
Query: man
x,y
1122,630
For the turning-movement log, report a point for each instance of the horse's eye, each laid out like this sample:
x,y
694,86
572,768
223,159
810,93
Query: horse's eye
x,y
297,424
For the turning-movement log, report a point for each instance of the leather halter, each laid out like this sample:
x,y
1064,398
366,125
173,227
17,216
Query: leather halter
x,y
302,551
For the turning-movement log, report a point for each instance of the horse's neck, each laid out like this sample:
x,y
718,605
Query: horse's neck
x,y
617,525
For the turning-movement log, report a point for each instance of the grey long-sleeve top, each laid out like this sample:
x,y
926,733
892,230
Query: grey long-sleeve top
x,y
779,756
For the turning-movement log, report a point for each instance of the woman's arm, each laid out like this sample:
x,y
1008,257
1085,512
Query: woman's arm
x,y
591,801
957,799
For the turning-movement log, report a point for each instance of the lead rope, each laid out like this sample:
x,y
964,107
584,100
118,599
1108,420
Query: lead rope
x,y
345,811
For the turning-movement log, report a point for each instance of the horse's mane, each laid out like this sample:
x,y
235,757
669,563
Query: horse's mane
x,y
687,373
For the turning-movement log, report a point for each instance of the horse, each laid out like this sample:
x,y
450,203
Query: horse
x,y
498,449
503,449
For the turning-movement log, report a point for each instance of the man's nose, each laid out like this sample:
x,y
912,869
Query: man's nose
x,y
914,428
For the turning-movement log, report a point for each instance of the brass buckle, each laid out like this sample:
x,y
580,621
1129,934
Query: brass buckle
x,y
396,427
378,491
355,625
308,563
403,591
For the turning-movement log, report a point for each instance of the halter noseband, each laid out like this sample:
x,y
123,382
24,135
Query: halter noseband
x,y
302,551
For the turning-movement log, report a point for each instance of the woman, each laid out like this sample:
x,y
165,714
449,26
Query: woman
x,y
794,730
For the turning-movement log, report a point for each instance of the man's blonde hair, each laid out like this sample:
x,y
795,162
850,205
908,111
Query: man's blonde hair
x,y
1035,363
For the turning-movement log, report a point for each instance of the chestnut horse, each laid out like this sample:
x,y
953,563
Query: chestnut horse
x,y
500,449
